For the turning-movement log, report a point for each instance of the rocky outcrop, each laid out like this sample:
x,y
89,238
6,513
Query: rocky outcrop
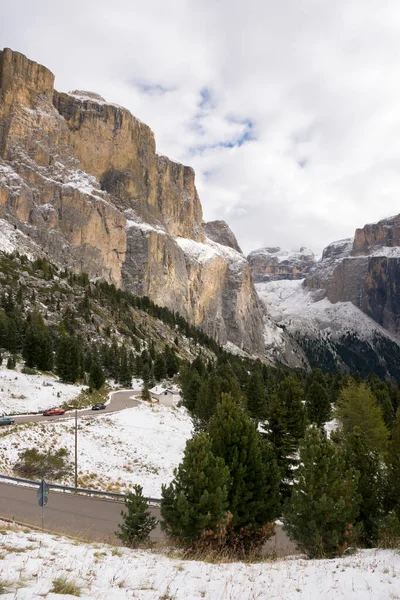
x,y
81,179
272,264
372,237
365,271
220,232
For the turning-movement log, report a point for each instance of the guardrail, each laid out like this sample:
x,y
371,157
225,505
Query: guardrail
x,y
71,489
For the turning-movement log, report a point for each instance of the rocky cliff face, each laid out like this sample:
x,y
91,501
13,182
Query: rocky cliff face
x,y
366,272
272,264
81,180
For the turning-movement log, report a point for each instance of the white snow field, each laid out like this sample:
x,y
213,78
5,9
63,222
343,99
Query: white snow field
x,y
137,445
21,393
299,309
31,562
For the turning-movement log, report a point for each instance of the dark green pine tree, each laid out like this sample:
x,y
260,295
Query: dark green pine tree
x,y
190,381
124,371
318,403
324,503
68,356
290,393
138,366
251,502
171,361
194,506
393,464
370,487
96,374
37,349
207,400
284,444
383,398
146,374
137,520
256,399
160,368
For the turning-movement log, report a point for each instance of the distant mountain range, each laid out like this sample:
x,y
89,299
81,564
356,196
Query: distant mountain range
x,y
343,310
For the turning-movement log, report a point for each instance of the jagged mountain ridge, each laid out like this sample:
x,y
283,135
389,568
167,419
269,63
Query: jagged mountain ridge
x,y
273,263
81,182
345,313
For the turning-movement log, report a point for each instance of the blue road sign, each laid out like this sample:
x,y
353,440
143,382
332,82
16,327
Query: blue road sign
x,y
43,493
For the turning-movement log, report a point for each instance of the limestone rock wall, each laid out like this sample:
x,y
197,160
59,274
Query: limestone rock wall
x,y
365,271
81,178
385,233
272,264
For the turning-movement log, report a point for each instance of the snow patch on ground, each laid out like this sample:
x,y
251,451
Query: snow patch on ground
x,y
137,445
99,571
22,393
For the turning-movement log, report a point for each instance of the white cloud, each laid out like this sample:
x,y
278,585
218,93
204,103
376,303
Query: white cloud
x,y
317,81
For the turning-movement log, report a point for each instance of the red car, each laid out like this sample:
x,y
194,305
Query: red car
x,y
53,411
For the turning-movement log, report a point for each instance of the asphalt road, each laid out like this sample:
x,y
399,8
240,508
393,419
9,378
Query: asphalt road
x,y
119,401
91,519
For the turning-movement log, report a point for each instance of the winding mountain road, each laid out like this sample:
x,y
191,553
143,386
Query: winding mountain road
x,y
118,401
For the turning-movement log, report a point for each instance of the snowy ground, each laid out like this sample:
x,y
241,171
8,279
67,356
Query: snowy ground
x,y
21,393
137,445
30,562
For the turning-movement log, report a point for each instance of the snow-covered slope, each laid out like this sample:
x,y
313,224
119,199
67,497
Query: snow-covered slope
x,y
331,335
292,304
137,445
21,393
99,571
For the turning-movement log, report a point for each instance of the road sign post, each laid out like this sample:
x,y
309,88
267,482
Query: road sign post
x,y
43,497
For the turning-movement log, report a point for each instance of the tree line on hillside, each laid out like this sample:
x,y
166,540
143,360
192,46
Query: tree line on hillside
x,y
65,351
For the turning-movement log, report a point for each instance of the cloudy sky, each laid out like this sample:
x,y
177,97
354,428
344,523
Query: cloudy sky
x,y
288,110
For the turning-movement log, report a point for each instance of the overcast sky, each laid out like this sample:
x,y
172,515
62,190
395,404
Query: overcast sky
x,y
288,110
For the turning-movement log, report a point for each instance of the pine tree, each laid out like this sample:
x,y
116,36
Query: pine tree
x,y
68,356
318,403
37,349
290,394
284,444
137,520
194,506
124,372
171,361
256,400
160,368
393,463
96,374
324,503
358,407
370,486
235,439
190,381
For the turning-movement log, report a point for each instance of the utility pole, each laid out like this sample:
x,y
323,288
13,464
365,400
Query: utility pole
x,y
76,447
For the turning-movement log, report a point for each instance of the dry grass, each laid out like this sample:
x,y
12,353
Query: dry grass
x,y
62,586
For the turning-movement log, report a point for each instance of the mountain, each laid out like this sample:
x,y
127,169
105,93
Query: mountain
x,y
272,264
345,313
366,272
81,184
